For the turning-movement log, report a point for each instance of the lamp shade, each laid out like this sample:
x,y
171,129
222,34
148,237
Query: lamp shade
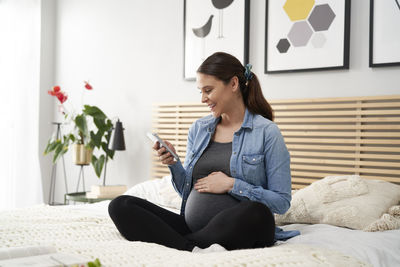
x,y
117,139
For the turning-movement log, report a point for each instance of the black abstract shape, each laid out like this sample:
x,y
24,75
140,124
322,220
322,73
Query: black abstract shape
x,y
283,45
397,2
204,30
221,4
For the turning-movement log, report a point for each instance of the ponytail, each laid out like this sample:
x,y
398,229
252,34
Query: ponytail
x,y
224,67
254,99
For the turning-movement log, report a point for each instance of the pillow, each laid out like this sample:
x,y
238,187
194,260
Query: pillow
x,y
158,191
346,201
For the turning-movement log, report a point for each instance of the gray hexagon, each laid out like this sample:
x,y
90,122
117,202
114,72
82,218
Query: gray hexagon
x,y
318,40
300,33
321,17
283,45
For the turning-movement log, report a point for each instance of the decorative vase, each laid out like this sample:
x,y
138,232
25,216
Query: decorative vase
x,y
81,155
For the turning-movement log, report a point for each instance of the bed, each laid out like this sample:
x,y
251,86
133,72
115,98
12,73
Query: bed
x,y
353,142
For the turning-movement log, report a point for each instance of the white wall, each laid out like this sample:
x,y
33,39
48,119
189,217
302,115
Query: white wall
x,y
132,53
46,112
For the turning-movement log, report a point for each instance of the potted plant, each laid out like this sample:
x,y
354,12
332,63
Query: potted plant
x,y
84,140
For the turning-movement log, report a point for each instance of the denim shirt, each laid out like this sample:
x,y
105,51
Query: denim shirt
x,y
260,164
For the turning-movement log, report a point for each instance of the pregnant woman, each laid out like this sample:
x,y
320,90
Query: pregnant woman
x,y
236,173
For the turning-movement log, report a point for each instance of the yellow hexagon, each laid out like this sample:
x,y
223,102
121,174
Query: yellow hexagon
x,y
298,9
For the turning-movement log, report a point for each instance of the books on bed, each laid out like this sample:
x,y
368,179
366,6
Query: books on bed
x,y
108,191
36,256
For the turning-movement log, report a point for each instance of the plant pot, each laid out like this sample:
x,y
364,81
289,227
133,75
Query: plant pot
x,y
81,155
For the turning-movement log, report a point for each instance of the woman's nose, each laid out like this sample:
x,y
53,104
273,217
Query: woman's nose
x,y
203,98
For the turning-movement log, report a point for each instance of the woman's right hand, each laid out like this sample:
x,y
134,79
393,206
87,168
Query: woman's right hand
x,y
164,156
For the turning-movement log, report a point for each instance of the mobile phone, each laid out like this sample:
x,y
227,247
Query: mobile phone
x,y
155,138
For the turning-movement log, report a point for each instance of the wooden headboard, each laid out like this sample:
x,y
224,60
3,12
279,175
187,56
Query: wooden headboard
x,y
325,136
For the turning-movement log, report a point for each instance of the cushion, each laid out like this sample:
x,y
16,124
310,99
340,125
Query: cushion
x,y
347,201
157,191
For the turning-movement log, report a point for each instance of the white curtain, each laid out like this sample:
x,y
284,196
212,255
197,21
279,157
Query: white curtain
x,y
20,179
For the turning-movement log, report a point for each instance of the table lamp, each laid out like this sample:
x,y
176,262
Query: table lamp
x,y
117,138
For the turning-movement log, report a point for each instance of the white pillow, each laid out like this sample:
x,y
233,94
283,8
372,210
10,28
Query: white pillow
x,y
347,201
157,191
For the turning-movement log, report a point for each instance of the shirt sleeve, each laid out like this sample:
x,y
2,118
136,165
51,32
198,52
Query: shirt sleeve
x,y
177,170
277,166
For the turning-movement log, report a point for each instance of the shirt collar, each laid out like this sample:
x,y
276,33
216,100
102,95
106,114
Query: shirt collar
x,y
248,120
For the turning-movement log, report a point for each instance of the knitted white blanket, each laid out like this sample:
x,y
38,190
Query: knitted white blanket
x,y
93,235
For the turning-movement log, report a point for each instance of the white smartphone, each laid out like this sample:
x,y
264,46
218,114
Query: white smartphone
x,y
155,138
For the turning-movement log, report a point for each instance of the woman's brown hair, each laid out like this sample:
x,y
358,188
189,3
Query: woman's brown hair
x,y
224,67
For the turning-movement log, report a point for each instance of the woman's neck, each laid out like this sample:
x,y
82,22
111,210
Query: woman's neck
x,y
234,116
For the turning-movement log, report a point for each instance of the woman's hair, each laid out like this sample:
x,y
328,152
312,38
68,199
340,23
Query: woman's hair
x,y
224,67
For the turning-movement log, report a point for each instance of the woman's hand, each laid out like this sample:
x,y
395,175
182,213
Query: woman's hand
x,y
164,156
216,183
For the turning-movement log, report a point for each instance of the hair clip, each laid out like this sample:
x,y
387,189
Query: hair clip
x,y
247,72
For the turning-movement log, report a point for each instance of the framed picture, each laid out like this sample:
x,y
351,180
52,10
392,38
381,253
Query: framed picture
x,y
384,33
214,26
306,35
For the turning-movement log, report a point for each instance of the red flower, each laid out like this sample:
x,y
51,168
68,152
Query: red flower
x,y
62,97
88,86
56,89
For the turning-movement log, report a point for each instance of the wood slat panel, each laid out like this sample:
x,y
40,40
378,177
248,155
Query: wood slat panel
x,y
325,162
326,136
341,147
392,157
333,120
344,169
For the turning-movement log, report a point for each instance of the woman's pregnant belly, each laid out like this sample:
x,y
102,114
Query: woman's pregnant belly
x,y
202,207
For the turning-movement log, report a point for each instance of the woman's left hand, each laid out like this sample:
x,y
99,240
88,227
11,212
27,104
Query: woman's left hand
x,y
216,183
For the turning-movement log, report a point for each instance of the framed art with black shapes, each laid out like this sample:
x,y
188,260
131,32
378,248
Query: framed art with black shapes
x,y
307,35
384,33
214,26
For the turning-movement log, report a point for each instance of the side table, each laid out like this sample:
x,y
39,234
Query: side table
x,y
81,197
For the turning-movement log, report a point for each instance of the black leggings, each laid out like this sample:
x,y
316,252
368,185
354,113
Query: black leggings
x,y
246,225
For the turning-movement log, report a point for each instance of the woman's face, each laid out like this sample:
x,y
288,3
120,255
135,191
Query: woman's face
x,y
217,95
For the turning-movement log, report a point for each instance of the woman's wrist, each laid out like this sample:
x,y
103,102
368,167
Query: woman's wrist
x,y
231,184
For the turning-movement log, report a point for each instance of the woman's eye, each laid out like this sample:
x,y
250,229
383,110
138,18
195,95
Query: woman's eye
x,y
205,91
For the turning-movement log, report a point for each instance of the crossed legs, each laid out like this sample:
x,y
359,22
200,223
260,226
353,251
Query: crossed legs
x,y
246,225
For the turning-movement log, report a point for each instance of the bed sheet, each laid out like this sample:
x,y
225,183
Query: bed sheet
x,y
88,231
380,249
377,248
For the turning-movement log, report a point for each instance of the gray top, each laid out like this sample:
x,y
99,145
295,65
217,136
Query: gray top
x,y
202,207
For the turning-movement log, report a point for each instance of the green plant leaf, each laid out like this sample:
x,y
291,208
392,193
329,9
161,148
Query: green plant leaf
x,y
50,147
96,138
71,137
98,164
95,263
100,124
94,111
80,122
109,152
58,150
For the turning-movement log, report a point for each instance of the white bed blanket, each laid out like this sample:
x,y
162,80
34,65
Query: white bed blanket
x,y
86,230
381,249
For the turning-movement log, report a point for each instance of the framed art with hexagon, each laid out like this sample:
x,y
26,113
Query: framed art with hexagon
x,y
212,26
306,35
384,33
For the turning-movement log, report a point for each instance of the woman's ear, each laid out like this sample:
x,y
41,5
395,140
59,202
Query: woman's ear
x,y
234,83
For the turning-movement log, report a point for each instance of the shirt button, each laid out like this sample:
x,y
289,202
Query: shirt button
x,y
190,166
254,159
241,192
187,184
234,153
